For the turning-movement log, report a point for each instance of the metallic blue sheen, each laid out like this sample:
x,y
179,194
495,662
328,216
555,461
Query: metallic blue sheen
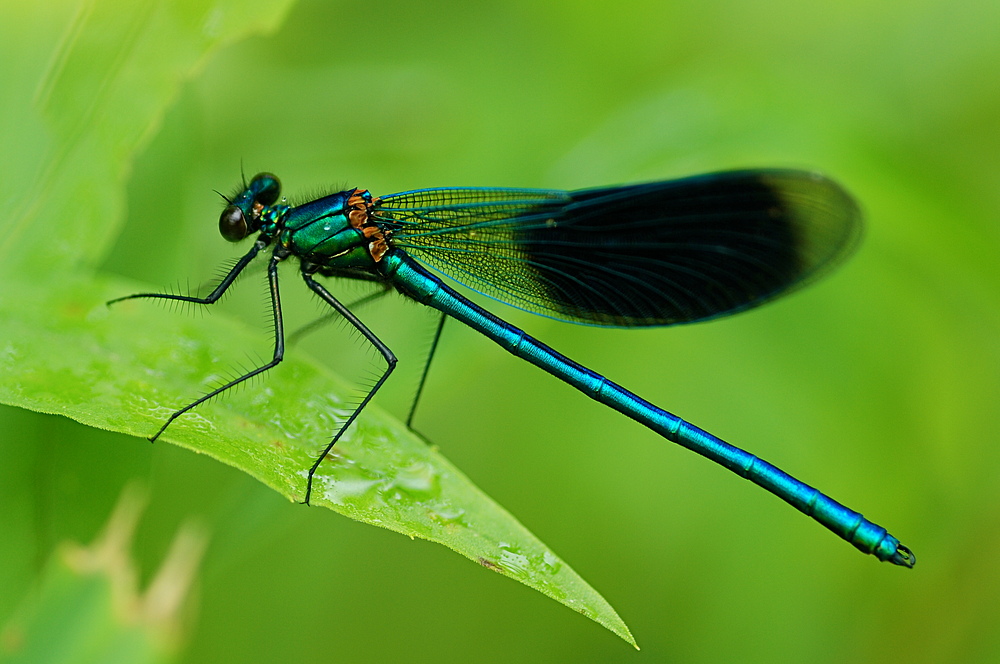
x,y
408,276
654,254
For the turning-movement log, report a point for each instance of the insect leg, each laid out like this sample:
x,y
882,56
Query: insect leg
x,y
423,377
212,297
279,337
390,361
296,336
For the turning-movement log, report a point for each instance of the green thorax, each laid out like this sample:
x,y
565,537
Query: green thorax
x,y
329,231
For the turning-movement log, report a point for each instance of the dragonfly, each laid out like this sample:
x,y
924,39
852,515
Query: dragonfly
x,y
653,254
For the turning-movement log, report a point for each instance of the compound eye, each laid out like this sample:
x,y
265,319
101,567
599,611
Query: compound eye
x,y
232,224
266,188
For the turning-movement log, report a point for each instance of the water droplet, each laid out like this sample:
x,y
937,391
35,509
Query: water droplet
x,y
418,480
514,563
340,491
449,516
552,562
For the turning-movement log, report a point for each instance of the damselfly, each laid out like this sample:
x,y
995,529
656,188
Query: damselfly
x,y
651,254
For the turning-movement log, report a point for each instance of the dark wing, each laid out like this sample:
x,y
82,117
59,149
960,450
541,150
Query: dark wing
x,y
649,254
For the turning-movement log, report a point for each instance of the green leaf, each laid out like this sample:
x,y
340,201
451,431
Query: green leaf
x,y
128,367
86,101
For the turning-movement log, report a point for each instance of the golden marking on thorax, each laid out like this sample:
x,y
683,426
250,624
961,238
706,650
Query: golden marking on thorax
x,y
360,219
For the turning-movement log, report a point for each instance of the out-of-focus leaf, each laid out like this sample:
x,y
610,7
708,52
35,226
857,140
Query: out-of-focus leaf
x,y
90,82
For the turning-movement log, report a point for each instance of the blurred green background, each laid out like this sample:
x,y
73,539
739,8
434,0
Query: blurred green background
x,y
878,385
